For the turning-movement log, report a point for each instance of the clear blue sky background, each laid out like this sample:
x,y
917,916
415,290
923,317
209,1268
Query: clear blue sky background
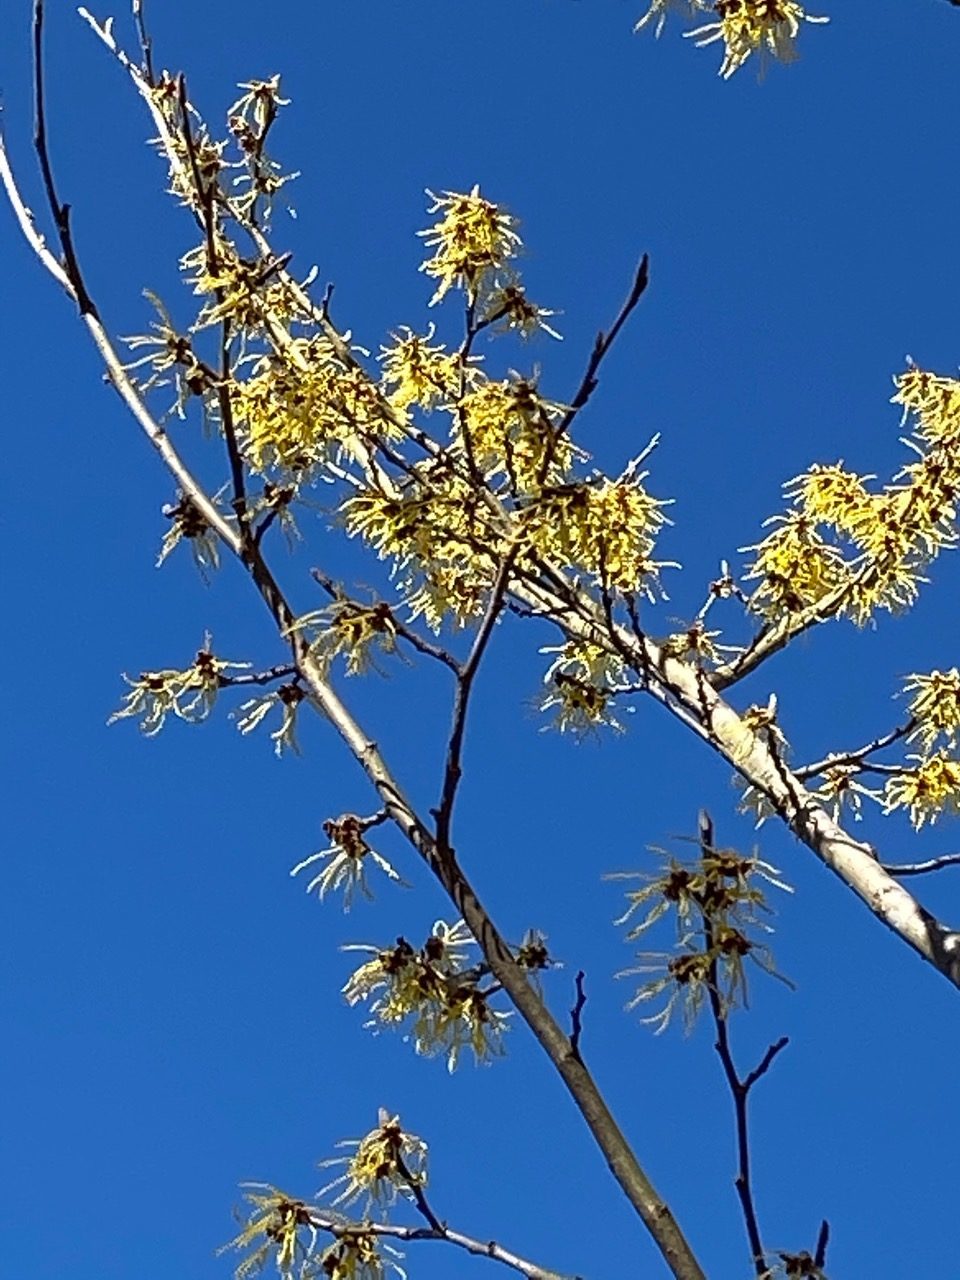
x,y
169,997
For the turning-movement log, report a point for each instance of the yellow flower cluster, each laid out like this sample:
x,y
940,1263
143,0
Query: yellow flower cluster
x,y
892,534
751,26
717,902
352,630
357,1254
437,989
935,403
345,860
189,695
507,429
284,1229
840,787
473,240
927,791
244,292
250,119
187,524
796,567
278,1226
746,27
417,373
935,707
437,533
511,309
387,1162
581,683
607,528
297,410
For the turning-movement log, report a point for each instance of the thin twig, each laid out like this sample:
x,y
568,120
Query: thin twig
x,y
59,211
823,1238
576,1015
146,44
838,760
205,197
453,769
337,1227
282,672
739,1088
603,343
921,868
426,647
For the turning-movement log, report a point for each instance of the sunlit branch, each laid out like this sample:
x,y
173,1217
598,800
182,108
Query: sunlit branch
x,y
508,973
437,1231
684,691
122,383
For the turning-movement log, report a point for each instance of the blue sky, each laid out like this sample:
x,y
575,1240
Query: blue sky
x,y
169,997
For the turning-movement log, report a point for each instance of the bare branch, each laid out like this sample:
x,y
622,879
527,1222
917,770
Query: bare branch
x,y
921,868
838,760
436,1231
257,677
603,343
739,1088
823,1239
619,1156
453,769
576,1015
685,692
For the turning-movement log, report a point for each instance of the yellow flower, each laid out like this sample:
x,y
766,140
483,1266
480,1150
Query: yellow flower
x,y
278,1225
345,858
840,786
510,431
606,527
510,309
385,1163
796,567
287,699
472,241
934,400
929,790
189,695
935,706
352,629
414,372
296,412
828,494
188,525
750,26
358,1255
581,684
